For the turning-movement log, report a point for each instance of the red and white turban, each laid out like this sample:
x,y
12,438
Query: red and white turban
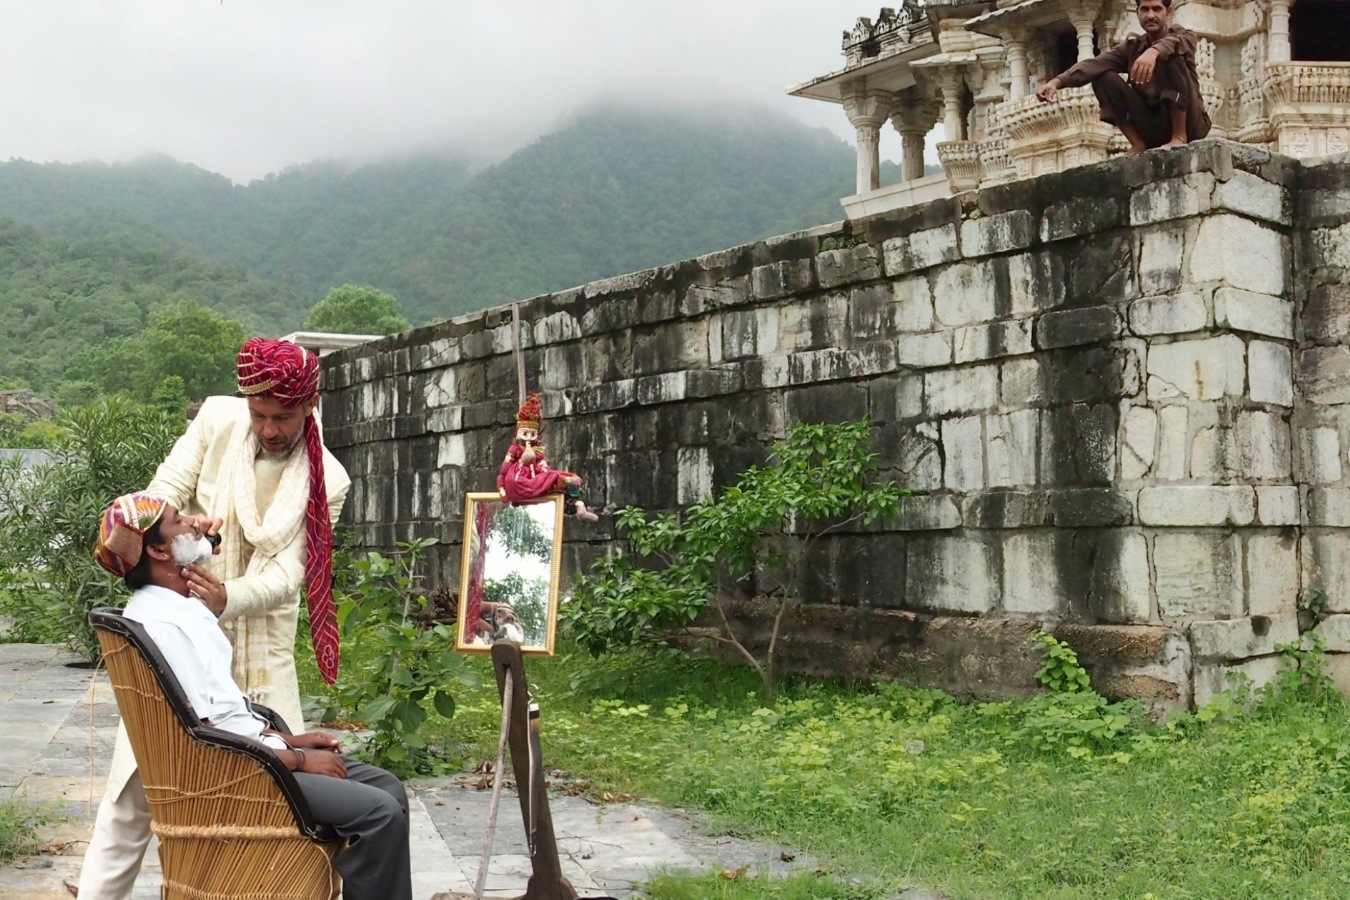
x,y
289,374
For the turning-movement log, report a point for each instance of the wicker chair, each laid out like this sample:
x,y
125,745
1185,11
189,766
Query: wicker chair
x,y
230,817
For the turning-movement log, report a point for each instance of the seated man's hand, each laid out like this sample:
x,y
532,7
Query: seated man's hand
x,y
313,740
324,762
1046,92
206,587
1142,70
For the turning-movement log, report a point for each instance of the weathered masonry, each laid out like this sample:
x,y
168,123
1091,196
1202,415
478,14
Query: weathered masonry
x,y
1123,392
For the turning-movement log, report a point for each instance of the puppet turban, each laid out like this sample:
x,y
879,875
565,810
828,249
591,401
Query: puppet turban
x,y
530,414
290,374
278,369
121,534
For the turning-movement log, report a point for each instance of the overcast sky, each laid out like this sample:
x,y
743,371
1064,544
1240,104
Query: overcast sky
x,y
247,87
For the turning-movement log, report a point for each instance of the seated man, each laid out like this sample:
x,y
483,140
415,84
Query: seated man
x,y
1160,106
145,540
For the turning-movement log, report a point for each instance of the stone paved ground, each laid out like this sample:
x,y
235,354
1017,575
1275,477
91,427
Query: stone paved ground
x,y
56,730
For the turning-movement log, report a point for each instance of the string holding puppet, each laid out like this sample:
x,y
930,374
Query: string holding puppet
x,y
525,474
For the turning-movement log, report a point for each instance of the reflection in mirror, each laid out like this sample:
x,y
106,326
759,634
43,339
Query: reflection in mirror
x,y
509,577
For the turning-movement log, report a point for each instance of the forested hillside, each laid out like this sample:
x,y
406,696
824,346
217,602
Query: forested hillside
x,y
613,191
96,259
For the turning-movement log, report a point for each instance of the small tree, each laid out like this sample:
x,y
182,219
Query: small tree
x,y
820,479
353,309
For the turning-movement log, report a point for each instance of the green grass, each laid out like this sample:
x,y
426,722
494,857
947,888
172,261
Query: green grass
x,y
900,787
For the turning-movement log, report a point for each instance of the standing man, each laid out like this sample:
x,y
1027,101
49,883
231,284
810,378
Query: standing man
x,y
254,470
1160,105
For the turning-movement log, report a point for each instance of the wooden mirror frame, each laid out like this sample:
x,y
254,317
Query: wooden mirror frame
x,y
555,567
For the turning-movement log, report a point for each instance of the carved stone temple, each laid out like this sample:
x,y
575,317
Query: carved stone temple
x,y
1274,73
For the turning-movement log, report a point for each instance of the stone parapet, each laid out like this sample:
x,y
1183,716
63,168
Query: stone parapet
x,y
1120,392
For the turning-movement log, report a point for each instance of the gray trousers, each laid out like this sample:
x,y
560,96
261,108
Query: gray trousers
x,y
1149,107
369,808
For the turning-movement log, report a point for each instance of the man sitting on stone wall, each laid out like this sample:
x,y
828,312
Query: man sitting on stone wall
x,y
1160,105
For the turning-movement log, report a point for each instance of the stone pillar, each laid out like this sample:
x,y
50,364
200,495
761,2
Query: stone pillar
x,y
868,111
1279,31
911,153
913,117
1083,16
952,120
1019,77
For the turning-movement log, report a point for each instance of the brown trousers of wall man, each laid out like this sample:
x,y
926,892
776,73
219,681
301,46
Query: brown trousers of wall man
x,y
1148,107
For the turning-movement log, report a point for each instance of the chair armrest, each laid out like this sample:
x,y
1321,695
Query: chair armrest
x,y
276,722
272,764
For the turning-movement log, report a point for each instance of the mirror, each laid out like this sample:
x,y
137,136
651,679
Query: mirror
x,y
508,585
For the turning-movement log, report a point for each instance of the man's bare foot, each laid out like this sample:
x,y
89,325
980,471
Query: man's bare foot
x,y
73,888
1174,142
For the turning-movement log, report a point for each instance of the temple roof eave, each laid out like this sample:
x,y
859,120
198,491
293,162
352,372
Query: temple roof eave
x,y
886,73
1028,13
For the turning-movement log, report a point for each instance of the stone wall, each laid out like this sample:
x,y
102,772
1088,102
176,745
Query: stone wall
x,y
1121,391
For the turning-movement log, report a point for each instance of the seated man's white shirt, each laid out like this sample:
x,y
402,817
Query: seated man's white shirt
x,y
199,655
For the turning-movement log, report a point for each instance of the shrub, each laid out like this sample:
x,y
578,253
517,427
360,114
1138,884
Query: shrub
x,y
820,479
49,517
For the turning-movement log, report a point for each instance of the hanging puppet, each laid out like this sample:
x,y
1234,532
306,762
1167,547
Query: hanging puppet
x,y
525,474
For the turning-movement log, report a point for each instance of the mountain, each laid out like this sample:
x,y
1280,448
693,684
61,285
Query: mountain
x,y
612,191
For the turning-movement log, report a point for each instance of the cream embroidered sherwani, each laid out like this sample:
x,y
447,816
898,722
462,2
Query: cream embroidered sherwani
x,y
216,470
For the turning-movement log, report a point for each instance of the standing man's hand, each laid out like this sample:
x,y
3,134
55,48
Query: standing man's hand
x,y
210,525
1046,92
207,588
1142,70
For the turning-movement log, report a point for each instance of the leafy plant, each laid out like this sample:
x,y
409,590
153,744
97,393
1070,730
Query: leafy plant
x,y
759,532
49,517
18,829
404,661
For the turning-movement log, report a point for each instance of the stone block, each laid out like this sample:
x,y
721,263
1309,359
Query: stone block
x,y
1270,373
975,343
694,475
1242,254
1324,374
1006,509
1028,282
439,390
1161,251
1120,579
1253,196
1272,573
1277,504
897,398
1080,216
701,297
1197,505
860,262
1197,574
1204,369
1012,230
1324,559
1031,574
952,574
1320,456
965,390
912,305
1175,314
1102,272
1263,446
1090,374
1091,508
780,279
1241,638
840,401
1020,382
1326,313
1138,441
963,450
1012,441
1172,198
923,351
1331,246
1078,444
1071,327
919,460
920,250
1329,506
928,512
1258,313
966,293
1211,679
1335,633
